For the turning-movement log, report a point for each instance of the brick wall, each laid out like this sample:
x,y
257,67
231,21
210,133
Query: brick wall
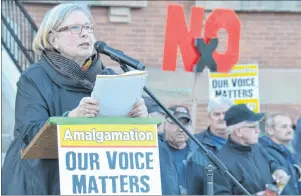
x,y
273,40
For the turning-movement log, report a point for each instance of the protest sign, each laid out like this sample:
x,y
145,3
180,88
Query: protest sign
x,y
109,159
240,85
179,35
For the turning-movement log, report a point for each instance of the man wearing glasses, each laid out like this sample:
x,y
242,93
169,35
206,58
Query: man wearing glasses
x,y
178,142
246,160
169,175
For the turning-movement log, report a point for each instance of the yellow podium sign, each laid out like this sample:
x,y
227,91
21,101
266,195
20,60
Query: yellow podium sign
x,y
120,157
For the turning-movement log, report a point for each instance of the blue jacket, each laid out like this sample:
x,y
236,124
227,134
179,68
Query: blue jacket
x,y
284,158
187,162
193,165
196,173
297,143
169,175
196,167
206,139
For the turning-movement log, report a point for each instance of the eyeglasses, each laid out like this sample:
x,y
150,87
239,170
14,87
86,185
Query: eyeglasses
x,y
251,126
77,29
284,126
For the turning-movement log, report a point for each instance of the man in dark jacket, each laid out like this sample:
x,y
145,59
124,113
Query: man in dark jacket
x,y
279,134
246,160
187,164
169,175
213,138
181,147
216,135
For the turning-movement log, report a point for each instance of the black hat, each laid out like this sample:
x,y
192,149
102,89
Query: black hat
x,y
239,113
180,112
152,106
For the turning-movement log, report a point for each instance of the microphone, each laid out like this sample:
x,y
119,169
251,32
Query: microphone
x,y
117,55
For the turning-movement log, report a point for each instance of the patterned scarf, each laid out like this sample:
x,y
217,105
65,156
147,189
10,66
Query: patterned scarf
x,y
69,75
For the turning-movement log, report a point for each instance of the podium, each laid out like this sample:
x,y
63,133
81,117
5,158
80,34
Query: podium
x,y
102,155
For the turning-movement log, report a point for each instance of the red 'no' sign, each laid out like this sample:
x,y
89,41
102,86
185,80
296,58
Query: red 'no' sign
x,y
177,34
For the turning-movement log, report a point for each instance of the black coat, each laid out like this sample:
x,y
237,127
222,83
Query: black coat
x,y
285,159
248,164
38,98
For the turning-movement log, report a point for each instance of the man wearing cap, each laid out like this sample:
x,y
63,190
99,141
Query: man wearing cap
x,y
278,135
216,135
178,142
169,175
246,160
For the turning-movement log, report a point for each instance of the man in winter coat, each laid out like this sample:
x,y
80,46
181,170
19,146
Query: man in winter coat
x,y
279,133
246,160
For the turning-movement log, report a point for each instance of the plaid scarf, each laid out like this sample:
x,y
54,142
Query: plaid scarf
x,y
68,74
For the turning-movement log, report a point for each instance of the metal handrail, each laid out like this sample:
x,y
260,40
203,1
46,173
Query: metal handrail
x,y
17,33
16,39
32,23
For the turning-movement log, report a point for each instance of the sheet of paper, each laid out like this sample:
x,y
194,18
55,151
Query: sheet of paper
x,y
118,93
282,186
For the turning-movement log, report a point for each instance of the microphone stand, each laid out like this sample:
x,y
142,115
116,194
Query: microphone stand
x,y
207,152
209,174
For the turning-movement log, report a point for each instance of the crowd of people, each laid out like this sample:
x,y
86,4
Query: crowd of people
x,y
256,158
61,82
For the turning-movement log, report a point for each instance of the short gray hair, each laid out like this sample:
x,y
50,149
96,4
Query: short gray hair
x,y
270,120
217,102
232,127
52,20
238,125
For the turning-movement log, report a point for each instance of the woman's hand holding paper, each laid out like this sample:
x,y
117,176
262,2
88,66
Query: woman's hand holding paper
x,y
88,107
139,109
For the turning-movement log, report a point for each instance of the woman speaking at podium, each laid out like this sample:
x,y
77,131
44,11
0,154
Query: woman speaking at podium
x,y
59,84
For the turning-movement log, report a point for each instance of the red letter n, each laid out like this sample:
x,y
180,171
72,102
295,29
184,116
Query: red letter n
x,y
177,34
